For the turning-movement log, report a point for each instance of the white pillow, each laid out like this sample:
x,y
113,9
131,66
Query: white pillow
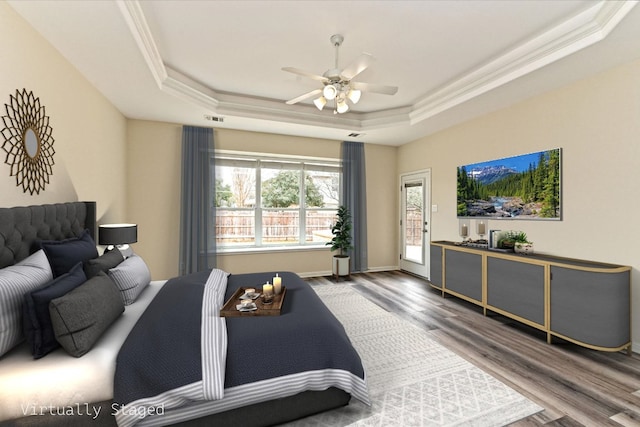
x,y
16,280
131,276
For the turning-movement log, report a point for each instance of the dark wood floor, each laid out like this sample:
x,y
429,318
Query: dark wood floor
x,y
576,386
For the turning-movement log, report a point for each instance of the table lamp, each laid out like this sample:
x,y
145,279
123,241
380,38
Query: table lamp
x,y
118,235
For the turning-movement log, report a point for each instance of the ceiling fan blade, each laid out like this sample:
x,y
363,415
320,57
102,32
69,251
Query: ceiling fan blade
x,y
304,96
371,87
304,73
356,67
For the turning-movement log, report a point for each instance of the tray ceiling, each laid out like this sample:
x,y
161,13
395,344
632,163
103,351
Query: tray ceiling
x,y
183,61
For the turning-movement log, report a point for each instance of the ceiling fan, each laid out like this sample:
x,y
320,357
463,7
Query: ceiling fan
x,y
338,85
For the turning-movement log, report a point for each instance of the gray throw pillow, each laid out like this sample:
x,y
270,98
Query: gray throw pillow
x,y
15,281
80,317
102,263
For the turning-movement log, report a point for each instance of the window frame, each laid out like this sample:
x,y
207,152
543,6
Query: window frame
x,y
260,161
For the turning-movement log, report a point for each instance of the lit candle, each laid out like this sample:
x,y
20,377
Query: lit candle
x,y
267,289
481,229
277,284
464,232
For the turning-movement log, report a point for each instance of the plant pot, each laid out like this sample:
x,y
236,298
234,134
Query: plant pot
x,y
341,265
523,248
506,244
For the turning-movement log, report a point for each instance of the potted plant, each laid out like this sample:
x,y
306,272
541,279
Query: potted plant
x,y
341,242
522,244
516,240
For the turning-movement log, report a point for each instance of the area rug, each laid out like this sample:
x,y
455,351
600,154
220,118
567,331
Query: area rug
x,y
413,380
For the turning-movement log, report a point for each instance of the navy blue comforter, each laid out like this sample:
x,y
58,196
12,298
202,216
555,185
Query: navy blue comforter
x,y
162,351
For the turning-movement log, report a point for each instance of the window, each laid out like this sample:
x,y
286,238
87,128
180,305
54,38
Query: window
x,y
275,201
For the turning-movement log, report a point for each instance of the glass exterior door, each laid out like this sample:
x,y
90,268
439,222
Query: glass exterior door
x,y
414,223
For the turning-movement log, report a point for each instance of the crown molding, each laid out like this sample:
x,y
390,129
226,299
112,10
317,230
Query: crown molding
x,y
137,23
180,86
568,37
385,119
228,104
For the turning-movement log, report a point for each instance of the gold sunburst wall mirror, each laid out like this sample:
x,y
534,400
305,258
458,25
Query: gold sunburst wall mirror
x,y
28,142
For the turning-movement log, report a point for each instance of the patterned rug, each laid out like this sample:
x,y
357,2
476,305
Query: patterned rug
x,y
413,381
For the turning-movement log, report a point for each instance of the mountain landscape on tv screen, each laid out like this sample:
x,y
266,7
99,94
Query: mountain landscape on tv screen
x,y
524,187
490,174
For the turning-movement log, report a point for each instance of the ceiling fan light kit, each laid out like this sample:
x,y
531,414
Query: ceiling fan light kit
x,y
329,92
341,106
338,85
320,102
354,95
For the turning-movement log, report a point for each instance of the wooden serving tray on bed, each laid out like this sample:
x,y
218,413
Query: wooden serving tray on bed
x,y
229,308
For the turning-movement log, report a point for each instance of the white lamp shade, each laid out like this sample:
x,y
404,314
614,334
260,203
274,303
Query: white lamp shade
x,y
354,95
320,102
329,92
342,106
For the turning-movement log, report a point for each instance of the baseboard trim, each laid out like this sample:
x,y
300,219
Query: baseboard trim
x,y
315,274
384,268
329,273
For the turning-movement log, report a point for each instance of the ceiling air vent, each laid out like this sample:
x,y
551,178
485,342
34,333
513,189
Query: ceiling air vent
x,y
214,118
354,135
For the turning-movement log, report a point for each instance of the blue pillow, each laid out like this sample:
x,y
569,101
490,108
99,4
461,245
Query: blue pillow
x,y
64,254
37,321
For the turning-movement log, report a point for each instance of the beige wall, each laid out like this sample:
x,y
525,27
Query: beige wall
x,y
154,186
153,196
382,206
89,132
596,122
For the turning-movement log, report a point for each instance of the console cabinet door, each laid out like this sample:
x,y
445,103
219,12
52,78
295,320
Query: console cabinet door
x,y
516,287
463,274
591,307
435,258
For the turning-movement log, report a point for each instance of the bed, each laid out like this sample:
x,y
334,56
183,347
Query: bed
x,y
270,370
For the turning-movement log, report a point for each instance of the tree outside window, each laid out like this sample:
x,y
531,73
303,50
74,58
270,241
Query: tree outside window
x,y
258,201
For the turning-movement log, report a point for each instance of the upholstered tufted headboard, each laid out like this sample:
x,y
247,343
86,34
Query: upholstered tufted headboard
x,y
21,227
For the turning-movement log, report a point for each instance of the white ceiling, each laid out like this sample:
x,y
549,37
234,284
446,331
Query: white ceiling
x,y
179,61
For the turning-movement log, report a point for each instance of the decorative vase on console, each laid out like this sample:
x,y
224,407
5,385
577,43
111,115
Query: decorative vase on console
x,y
523,248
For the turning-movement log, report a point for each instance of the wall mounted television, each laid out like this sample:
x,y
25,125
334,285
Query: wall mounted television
x,y
527,186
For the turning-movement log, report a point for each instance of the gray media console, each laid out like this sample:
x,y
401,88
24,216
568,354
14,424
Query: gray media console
x,y
584,302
